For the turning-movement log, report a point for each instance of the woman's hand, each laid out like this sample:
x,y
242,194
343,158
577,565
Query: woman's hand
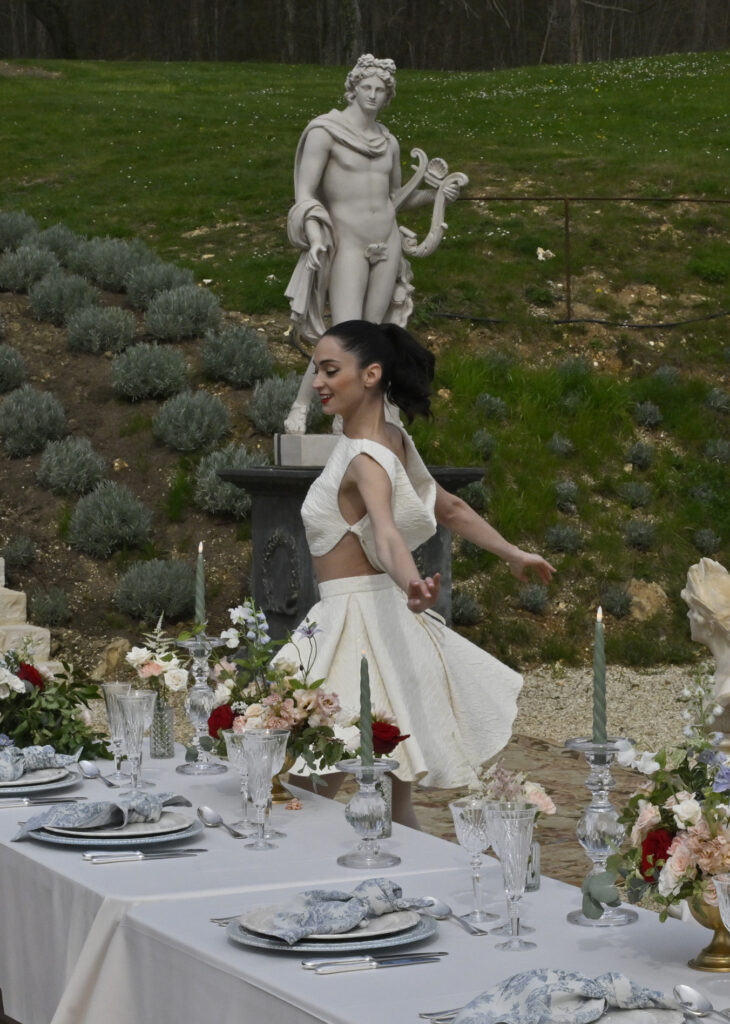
x,y
521,561
423,594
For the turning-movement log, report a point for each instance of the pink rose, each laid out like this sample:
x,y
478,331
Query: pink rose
x,y
239,723
649,817
152,668
536,795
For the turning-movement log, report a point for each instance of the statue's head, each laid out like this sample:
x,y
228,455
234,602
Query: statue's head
x,y
707,595
366,66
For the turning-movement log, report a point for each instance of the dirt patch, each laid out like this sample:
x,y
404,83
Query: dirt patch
x,y
27,71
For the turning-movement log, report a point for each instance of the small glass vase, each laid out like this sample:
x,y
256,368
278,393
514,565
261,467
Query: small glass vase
x,y
599,831
162,732
366,813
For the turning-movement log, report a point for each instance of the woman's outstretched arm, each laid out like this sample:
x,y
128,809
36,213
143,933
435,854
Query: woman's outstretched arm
x,y
457,516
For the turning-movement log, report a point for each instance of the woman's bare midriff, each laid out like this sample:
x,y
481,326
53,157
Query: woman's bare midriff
x,y
346,558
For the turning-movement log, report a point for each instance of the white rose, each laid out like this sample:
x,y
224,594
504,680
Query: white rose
x,y
13,681
176,679
238,614
687,812
221,695
85,716
646,763
138,656
669,883
254,710
625,753
347,716
287,666
4,690
231,638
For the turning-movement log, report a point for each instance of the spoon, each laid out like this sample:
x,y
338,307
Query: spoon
x,y
441,911
694,1004
212,819
89,770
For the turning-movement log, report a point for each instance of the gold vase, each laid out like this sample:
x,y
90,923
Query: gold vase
x,y
279,793
716,955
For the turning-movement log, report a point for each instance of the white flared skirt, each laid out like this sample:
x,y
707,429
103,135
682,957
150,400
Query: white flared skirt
x,y
456,701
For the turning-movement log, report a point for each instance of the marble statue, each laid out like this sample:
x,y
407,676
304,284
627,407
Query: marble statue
x,y
347,193
707,594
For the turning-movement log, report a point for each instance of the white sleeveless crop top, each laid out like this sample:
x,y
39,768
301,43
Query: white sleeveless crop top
x,y
412,500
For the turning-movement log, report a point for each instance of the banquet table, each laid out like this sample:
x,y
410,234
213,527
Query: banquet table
x,y
128,943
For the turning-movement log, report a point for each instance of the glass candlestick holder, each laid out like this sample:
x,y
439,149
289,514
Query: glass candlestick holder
x,y
366,813
599,831
199,703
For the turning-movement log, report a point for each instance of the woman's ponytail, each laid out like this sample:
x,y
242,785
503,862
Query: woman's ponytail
x,y
411,372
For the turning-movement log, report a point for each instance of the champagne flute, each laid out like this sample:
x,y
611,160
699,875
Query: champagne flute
x,y
471,821
237,757
112,692
265,750
142,781
512,831
134,708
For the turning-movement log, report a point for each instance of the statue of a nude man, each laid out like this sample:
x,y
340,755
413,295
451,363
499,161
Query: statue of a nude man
x,y
347,181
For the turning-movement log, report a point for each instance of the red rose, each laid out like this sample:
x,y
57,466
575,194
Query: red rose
x,y
220,718
386,737
31,674
654,849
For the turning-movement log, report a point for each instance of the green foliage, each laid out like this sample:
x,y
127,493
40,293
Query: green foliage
x,y
563,538
21,267
561,446
237,355
272,399
718,450
19,553
149,371
71,466
218,497
483,443
29,419
57,295
183,312
707,541
718,400
640,534
647,414
12,368
145,282
100,329
179,493
59,239
492,407
566,495
50,607
667,375
711,266
635,493
476,494
533,597
192,421
150,589
107,519
465,608
15,226
640,455
107,261
616,600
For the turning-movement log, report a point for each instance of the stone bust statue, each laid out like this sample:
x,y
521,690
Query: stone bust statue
x,y
707,594
347,192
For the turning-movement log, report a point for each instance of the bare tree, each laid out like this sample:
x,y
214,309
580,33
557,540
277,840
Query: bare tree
x,y
54,17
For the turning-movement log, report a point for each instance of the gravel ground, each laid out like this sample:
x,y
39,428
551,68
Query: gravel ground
x,y
556,704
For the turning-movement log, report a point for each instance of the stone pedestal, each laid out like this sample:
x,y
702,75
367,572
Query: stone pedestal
x,y
14,627
283,581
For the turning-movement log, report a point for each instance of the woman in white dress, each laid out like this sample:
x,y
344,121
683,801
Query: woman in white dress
x,y
372,505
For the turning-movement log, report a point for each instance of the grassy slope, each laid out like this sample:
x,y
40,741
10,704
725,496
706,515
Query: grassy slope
x,y
196,159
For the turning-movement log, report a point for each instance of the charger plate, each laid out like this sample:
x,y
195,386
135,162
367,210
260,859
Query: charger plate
x,y
387,924
120,839
71,779
36,778
169,821
241,936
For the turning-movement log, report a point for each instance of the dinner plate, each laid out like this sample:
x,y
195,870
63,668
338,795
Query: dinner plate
x,y
121,839
243,937
170,821
36,778
45,787
387,924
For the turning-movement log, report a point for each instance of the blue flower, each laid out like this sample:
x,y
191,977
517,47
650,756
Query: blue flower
x,y
722,780
308,630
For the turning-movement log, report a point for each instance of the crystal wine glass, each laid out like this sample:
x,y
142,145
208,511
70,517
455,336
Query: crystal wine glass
x,y
142,782
134,709
472,824
112,691
237,757
722,888
512,836
264,750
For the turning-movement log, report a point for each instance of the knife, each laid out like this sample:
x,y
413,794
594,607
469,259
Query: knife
x,y
32,801
310,965
372,965
121,856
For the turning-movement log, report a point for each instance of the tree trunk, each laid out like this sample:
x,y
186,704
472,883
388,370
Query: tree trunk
x,y
576,31
54,17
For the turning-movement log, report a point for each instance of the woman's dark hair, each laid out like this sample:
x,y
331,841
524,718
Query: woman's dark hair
x,y
407,365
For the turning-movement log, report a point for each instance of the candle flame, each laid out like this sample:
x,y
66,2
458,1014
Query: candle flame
x,y
599,614
200,548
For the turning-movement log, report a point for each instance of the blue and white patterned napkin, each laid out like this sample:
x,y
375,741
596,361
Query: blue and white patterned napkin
x,y
547,996
104,813
16,761
329,912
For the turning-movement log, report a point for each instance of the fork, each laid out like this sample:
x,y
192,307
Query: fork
x,y
441,1016
223,921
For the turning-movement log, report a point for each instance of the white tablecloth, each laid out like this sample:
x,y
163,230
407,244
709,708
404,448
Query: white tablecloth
x,y
60,912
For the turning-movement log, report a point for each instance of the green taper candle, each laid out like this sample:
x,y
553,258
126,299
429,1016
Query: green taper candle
x,y
599,682
366,714
200,588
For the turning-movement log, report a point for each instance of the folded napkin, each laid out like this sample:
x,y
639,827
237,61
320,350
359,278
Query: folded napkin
x,y
547,996
104,813
329,912
16,761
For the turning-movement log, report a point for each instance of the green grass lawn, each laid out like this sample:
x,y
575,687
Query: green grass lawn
x,y
196,159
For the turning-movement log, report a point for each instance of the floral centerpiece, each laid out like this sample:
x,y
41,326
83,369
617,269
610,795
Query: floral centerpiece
x,y
37,707
158,665
255,692
678,822
495,782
